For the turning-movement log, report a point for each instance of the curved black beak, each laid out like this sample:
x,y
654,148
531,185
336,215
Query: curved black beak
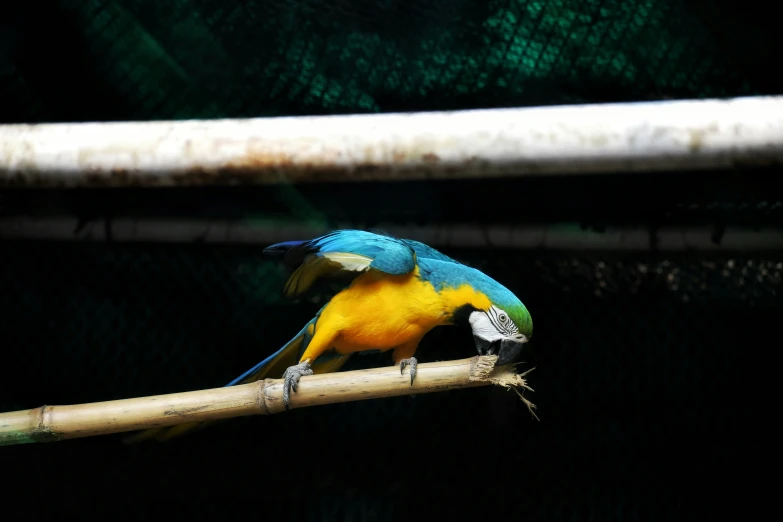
x,y
507,350
510,351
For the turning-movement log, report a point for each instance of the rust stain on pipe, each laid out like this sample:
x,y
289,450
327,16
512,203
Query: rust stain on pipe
x,y
607,138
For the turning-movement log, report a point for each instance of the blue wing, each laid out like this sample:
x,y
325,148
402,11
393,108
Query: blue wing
x,y
422,251
427,252
342,252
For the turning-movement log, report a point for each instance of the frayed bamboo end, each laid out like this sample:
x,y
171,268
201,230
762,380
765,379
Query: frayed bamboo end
x,y
484,370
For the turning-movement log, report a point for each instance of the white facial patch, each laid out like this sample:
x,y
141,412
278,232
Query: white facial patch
x,y
482,327
494,324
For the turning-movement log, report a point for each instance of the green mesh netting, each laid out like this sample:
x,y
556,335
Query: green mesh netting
x,y
636,353
146,59
636,384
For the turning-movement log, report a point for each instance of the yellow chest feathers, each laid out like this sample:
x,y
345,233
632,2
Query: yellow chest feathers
x,y
385,311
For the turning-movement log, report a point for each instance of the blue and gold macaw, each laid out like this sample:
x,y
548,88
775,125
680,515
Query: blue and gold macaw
x,y
400,290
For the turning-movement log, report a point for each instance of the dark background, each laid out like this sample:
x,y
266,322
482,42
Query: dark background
x,y
642,358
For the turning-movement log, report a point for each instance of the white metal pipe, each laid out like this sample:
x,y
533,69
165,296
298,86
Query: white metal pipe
x,y
626,137
555,237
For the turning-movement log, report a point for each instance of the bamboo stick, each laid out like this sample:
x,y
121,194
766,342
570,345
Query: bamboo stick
x,y
54,423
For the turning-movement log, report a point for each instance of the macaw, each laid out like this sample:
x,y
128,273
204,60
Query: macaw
x,y
399,290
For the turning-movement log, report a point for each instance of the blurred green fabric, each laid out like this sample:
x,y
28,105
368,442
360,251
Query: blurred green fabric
x,y
75,60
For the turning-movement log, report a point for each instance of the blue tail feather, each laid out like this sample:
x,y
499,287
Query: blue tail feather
x,y
271,367
290,351
255,368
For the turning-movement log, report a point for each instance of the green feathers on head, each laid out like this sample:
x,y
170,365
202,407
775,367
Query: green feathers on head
x,y
504,298
521,318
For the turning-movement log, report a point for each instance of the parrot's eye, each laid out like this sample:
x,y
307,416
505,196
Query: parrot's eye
x,y
502,318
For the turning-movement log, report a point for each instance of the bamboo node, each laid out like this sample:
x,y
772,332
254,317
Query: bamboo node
x,y
261,396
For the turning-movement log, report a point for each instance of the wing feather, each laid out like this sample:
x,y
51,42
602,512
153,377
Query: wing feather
x,y
343,252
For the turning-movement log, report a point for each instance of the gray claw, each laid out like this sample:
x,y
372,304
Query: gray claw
x,y
291,379
412,362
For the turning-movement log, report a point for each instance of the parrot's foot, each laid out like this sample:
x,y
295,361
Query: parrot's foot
x,y
412,362
291,378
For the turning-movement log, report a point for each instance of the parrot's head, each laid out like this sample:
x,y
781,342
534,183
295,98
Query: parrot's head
x,y
502,328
